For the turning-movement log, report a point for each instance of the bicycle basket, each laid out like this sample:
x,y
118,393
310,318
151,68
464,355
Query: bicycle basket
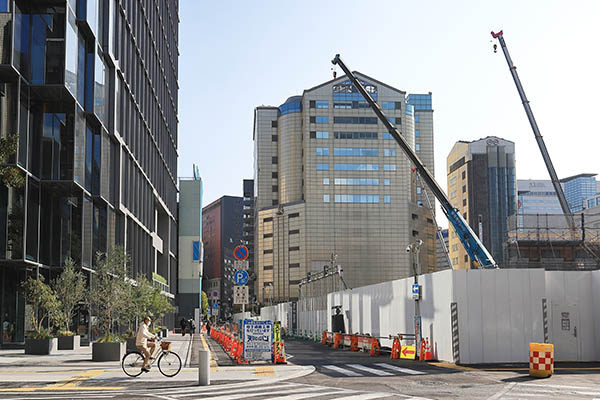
x,y
165,345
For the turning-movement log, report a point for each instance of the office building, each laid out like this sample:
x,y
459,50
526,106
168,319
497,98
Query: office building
x,y
482,186
442,251
90,87
331,181
248,215
189,293
221,233
578,188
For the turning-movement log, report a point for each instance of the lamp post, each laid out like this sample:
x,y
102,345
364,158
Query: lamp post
x,y
415,248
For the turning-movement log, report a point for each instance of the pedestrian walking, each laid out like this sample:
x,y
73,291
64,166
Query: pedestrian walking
x,y
183,324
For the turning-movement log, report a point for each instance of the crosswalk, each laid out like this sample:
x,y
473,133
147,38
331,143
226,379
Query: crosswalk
x,y
521,390
273,390
377,369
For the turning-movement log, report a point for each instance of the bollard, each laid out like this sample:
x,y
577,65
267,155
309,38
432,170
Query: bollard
x,y
203,368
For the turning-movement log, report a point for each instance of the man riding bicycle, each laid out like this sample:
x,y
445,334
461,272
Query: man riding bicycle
x,y
141,342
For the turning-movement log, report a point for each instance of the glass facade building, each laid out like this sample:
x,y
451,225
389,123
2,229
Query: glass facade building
x,y
90,88
578,188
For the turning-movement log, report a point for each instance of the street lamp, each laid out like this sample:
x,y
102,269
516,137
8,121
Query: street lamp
x,y
415,248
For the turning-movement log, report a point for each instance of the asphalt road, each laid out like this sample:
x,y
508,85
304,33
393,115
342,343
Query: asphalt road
x,y
356,370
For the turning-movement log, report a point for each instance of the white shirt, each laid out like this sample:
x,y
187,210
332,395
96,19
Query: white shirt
x,y
143,334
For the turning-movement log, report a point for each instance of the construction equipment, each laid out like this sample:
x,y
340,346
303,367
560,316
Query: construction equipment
x,y
538,137
475,249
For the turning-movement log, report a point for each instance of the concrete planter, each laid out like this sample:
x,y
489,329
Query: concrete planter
x,y
41,346
110,351
130,344
69,342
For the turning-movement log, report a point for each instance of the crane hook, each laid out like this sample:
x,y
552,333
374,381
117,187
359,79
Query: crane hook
x,y
495,48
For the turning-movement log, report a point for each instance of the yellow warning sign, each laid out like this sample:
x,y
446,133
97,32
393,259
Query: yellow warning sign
x,y
277,332
408,352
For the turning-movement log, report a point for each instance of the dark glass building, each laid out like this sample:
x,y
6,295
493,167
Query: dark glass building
x,y
90,88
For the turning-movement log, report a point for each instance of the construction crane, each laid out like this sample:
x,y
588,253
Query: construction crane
x,y
475,249
538,137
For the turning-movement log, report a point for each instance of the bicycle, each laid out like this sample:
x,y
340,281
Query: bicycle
x,y
169,362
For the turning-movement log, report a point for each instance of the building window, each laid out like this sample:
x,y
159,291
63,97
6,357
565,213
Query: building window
x,y
356,167
417,119
355,120
273,138
322,151
295,265
274,175
466,258
275,188
274,160
294,231
417,147
356,181
417,132
464,175
387,136
415,233
357,198
274,124
355,135
464,188
312,104
267,267
325,181
322,104
294,215
355,152
453,194
270,251
453,180
320,119
269,219
294,248
389,167
386,182
464,202
419,190
322,135
322,167
325,198
389,152
387,198
388,105
267,235
275,202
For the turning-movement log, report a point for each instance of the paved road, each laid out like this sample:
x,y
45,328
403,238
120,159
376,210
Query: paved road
x,y
360,371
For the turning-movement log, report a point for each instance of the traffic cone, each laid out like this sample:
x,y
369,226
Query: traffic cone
x,y
337,340
395,354
374,346
354,343
427,355
324,340
280,353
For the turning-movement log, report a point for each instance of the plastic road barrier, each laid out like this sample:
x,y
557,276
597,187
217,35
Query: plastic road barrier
x,y
541,360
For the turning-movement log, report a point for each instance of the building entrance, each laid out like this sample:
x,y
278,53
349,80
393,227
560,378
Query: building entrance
x,y
12,306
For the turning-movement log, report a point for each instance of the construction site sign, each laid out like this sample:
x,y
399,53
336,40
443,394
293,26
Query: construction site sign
x,y
409,352
258,340
277,332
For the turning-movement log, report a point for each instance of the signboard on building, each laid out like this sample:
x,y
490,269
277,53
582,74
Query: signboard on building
x,y
240,295
238,264
258,340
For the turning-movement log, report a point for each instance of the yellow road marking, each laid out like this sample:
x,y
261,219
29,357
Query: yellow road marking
x,y
75,380
452,366
213,362
264,371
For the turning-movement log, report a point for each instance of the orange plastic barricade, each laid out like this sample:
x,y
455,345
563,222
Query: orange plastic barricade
x,y
354,343
541,360
337,339
374,346
233,351
395,354
324,340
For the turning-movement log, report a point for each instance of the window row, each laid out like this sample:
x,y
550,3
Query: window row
x,y
357,181
354,152
356,198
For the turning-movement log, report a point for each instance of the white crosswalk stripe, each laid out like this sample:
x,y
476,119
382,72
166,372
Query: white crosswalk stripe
x,y
341,370
400,369
369,369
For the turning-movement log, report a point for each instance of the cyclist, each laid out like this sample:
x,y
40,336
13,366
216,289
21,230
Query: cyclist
x,y
141,342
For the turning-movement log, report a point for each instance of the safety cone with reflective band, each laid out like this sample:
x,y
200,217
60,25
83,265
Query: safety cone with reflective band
x,y
324,340
541,360
396,346
279,353
427,356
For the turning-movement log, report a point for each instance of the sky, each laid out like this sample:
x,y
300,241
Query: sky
x,y
237,55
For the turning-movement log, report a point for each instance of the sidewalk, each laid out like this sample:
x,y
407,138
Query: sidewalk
x,y
75,369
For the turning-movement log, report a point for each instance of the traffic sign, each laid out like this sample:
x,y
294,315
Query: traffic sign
x,y
240,277
277,332
215,306
240,252
416,292
237,264
240,295
408,352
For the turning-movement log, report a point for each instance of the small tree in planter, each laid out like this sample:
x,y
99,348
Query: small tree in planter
x,y
110,297
141,298
46,307
70,290
159,306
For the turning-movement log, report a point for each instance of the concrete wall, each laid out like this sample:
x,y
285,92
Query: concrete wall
x,y
595,282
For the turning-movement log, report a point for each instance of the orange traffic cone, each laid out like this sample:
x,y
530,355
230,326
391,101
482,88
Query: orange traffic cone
x,y
395,349
427,356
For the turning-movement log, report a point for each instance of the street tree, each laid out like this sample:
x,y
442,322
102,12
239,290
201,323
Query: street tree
x,y
44,302
70,290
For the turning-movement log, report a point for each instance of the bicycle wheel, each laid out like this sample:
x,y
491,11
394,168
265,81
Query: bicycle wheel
x,y
132,363
169,363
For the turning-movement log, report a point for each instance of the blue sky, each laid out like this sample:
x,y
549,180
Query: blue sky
x,y
236,55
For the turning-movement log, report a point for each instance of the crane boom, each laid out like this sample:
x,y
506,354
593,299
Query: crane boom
x,y
538,137
475,249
